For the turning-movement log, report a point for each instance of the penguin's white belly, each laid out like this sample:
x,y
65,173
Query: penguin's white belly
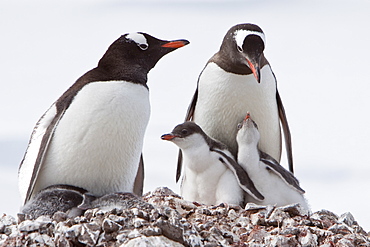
x,y
206,180
98,142
225,98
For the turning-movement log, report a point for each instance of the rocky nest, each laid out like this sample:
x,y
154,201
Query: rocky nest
x,y
164,219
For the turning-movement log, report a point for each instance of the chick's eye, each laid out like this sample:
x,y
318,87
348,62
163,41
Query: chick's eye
x,y
143,46
184,131
240,49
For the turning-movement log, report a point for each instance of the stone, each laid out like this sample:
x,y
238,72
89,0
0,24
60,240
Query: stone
x,y
306,238
152,241
162,218
110,226
348,219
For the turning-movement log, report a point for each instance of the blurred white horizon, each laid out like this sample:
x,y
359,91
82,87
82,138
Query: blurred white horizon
x,y
317,49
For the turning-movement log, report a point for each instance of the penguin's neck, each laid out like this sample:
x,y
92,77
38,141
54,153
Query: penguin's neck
x,y
249,156
194,154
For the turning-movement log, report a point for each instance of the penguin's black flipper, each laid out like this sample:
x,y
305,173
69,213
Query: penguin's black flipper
x,y
241,175
40,139
139,180
287,176
286,131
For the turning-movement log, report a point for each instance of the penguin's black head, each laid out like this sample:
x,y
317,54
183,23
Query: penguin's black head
x,y
136,53
190,135
147,49
183,130
243,45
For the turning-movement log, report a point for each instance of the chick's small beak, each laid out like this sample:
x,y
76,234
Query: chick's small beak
x,y
242,123
247,116
167,137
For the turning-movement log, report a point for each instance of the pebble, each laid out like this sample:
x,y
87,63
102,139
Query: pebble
x,y
162,218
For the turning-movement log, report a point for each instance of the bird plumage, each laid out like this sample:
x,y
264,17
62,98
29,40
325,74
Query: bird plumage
x,y
278,185
238,79
92,136
211,174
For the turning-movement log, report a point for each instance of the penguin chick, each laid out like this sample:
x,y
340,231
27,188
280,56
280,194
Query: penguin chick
x,y
60,197
278,185
211,175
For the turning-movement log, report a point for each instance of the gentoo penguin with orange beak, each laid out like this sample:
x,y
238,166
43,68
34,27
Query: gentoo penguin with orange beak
x,y
211,174
237,79
92,136
278,186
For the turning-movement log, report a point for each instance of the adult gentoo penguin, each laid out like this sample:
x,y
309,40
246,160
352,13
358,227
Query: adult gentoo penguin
x,y
211,174
278,185
237,79
92,136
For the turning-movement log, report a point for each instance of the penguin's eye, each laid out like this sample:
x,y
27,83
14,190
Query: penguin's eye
x,y
184,131
143,46
240,49
239,126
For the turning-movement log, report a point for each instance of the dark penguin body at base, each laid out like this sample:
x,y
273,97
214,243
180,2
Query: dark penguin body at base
x,y
63,198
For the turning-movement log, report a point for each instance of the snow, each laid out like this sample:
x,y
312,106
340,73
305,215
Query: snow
x,y
318,51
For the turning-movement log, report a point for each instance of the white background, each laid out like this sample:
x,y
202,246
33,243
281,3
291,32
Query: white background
x,y
319,51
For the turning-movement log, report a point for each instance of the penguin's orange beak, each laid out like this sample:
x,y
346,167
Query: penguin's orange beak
x,y
255,69
176,43
247,116
167,137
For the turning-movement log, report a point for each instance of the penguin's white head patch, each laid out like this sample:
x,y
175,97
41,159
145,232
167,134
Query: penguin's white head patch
x,y
139,39
241,34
